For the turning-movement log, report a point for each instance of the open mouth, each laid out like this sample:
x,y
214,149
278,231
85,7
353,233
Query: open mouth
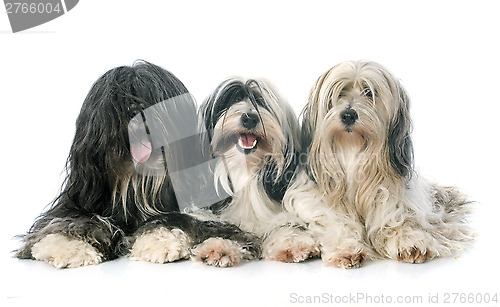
x,y
247,143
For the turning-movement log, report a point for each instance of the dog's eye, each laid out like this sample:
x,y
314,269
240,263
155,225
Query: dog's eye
x,y
368,93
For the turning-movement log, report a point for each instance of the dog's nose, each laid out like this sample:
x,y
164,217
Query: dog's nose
x,y
249,120
349,117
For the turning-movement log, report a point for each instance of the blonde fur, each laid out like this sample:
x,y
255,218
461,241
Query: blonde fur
x,y
64,252
161,245
360,193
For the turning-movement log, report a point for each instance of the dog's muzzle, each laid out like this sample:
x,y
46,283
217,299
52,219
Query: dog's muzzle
x,y
247,142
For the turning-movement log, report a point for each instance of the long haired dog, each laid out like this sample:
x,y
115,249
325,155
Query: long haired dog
x,y
360,193
116,181
254,133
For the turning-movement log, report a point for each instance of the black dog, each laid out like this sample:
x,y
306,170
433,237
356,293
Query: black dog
x,y
118,197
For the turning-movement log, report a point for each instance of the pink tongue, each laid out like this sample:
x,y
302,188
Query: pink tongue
x,y
141,151
247,139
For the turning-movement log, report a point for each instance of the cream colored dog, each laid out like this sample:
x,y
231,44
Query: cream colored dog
x,y
359,193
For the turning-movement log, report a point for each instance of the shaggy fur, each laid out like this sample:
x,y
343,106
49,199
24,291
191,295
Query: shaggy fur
x,y
116,181
359,191
254,133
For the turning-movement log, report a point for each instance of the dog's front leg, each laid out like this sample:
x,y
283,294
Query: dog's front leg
x,y
289,240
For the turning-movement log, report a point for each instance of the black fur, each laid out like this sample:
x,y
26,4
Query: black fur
x,y
90,207
230,93
100,157
276,186
199,231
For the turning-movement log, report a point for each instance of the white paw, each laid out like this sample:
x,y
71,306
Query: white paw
x,y
290,244
410,245
219,252
161,245
63,252
413,254
349,258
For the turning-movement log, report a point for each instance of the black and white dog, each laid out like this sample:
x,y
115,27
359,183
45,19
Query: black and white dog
x,y
118,196
254,133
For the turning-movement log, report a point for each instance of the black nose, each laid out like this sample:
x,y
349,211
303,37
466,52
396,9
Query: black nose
x,y
249,120
349,117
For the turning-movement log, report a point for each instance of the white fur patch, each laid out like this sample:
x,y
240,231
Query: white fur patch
x,y
161,245
63,252
219,252
289,244
371,208
344,258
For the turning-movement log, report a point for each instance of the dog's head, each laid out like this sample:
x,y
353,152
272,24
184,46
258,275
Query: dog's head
x,y
252,130
109,147
359,106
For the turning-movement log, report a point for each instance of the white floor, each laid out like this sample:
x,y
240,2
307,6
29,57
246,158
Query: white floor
x,y
260,283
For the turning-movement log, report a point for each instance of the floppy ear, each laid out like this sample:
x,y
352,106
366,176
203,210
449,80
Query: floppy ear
x,y
205,122
399,141
228,92
311,112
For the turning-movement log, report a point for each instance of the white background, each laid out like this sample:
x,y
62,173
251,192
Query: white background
x,y
445,52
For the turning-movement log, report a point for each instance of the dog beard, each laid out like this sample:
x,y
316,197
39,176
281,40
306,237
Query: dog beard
x,y
356,128
253,132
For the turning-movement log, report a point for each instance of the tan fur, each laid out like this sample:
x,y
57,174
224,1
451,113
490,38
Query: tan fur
x,y
374,210
161,245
